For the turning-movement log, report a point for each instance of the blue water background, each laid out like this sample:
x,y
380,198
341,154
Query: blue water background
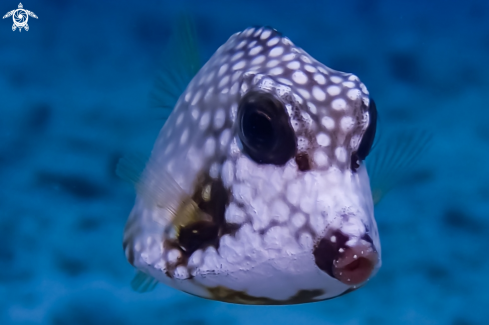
x,y
74,99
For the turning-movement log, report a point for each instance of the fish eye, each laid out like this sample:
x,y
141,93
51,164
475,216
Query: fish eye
x,y
258,130
369,136
265,130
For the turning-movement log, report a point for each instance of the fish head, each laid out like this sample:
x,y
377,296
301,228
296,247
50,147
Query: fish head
x,y
256,191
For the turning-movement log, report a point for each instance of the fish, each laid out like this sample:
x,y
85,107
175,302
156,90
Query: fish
x,y
256,190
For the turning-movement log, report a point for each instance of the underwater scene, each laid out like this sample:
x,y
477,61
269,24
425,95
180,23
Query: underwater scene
x,y
244,162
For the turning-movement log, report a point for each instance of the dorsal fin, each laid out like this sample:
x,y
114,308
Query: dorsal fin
x,y
393,160
179,64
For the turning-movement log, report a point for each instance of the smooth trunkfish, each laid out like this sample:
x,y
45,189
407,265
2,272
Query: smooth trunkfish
x,y
256,191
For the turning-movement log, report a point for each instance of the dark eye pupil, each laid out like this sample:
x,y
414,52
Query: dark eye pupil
x,y
265,130
369,135
258,130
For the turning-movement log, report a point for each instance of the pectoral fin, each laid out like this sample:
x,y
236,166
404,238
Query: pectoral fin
x,y
393,160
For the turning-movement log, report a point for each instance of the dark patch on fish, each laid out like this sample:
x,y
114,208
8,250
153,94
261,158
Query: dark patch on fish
x,y
354,161
326,252
302,161
219,199
197,235
206,231
241,297
127,243
202,234
229,229
367,237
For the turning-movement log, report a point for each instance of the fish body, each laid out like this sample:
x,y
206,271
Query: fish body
x,y
256,191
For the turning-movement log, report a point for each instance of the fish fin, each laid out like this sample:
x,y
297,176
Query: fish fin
x,y
179,64
143,283
378,133
157,186
188,212
394,159
130,167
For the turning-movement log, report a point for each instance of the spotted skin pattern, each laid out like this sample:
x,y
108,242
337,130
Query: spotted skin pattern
x,y
264,246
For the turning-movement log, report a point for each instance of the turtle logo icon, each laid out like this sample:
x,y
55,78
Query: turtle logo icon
x,y
20,17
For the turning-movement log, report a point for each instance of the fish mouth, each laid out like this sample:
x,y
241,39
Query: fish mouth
x,y
355,265
350,261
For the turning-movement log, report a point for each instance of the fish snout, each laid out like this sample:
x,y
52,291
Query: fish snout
x,y
349,260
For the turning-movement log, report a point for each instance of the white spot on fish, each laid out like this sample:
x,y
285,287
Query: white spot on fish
x,y
273,41
318,93
294,65
323,140
288,57
266,34
257,49
340,154
319,78
204,121
299,77
219,119
209,147
259,59
227,173
239,65
338,104
320,158
276,71
276,51
237,56
305,59
223,69
333,90
272,63
184,137
336,79
353,94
